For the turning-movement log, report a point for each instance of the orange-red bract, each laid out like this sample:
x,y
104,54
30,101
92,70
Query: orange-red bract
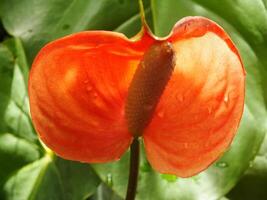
x,y
78,87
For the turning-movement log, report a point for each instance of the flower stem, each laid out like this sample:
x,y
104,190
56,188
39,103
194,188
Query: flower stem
x,y
133,171
142,12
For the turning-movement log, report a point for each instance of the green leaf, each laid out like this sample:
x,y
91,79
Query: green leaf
x,y
105,193
50,179
79,180
14,153
6,72
17,49
253,184
14,112
31,179
132,26
37,22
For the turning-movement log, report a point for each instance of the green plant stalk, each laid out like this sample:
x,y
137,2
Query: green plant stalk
x,y
134,169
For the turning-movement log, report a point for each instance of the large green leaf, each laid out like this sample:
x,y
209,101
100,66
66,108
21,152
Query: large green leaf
x,y
78,179
253,184
14,112
218,179
26,182
14,153
48,178
6,72
104,192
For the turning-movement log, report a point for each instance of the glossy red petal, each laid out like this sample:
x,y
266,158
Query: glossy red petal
x,y
77,88
201,107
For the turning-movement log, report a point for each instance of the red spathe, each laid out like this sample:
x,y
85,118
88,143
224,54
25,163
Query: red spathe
x,y
78,88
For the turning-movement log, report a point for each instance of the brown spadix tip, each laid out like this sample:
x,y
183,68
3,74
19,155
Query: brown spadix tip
x,y
147,86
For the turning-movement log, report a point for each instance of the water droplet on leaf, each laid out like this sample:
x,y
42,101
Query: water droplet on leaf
x,y
109,180
221,164
251,164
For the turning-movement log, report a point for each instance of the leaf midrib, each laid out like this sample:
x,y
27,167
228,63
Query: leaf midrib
x,y
40,177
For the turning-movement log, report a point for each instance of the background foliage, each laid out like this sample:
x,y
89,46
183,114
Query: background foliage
x,y
30,172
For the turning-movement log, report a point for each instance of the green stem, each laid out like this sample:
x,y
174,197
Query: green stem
x,y
142,12
133,171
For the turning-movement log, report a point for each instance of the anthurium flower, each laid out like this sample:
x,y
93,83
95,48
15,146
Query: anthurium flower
x,y
92,92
